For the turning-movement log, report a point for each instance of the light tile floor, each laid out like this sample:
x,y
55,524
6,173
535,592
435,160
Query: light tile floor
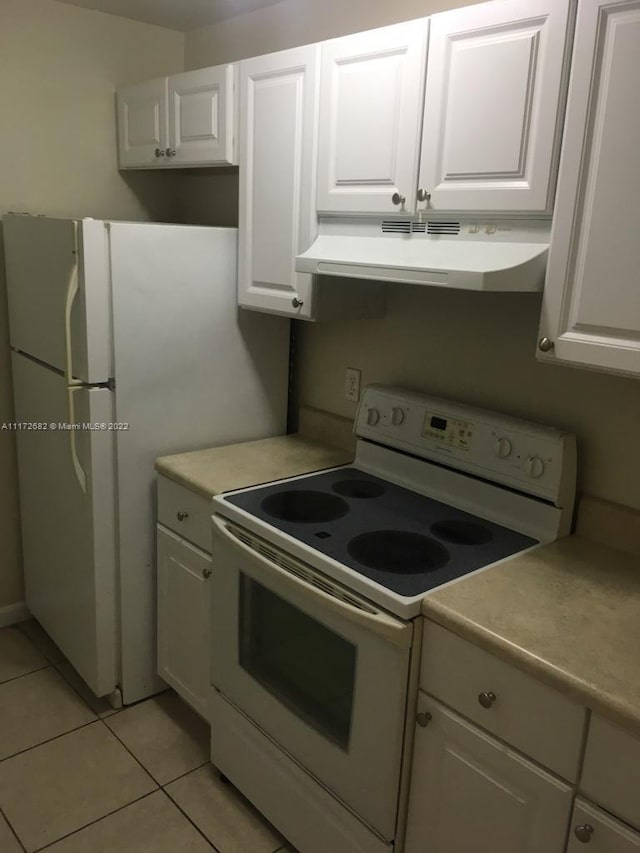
x,y
78,777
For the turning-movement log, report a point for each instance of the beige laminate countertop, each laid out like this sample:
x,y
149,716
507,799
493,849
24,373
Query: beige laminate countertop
x,y
568,612
236,466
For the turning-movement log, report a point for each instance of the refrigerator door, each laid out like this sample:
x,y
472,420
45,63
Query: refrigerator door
x,y
191,372
68,535
58,292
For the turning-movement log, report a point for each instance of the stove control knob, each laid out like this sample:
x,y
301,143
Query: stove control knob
x,y
534,467
373,416
397,416
502,447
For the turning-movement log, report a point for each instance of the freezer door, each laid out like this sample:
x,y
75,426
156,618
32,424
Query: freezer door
x,y
58,292
68,535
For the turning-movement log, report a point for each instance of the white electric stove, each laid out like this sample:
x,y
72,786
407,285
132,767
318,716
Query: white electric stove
x,y
317,586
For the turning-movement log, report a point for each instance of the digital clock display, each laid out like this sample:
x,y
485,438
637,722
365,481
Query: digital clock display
x,y
438,423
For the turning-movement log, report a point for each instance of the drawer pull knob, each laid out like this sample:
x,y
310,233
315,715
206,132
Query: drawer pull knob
x,y
206,573
182,515
487,699
423,719
583,833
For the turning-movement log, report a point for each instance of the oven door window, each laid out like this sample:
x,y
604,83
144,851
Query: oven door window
x,y
306,666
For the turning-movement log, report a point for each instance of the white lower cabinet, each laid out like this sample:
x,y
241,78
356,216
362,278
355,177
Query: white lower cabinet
x,y
183,618
471,792
601,832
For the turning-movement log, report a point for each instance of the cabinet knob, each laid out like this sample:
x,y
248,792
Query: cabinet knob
x,y
396,198
545,344
423,718
182,515
583,833
423,195
297,303
206,573
159,152
171,152
487,699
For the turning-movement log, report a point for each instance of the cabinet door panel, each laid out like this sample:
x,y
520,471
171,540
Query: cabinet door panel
x,y
183,618
608,835
470,792
370,117
201,117
278,127
494,84
591,306
142,123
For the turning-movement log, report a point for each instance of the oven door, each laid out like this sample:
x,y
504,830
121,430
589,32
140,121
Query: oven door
x,y
321,671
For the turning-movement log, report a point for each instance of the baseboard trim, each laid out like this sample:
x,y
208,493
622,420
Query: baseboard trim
x,y
13,613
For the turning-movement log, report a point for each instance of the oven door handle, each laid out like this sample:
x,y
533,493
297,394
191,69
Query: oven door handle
x,y
385,626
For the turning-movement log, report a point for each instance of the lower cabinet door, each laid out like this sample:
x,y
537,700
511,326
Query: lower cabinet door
x,y
471,792
603,834
183,618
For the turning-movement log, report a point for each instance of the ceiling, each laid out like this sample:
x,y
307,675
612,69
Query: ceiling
x,y
183,15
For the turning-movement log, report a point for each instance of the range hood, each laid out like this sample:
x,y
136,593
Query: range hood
x,y
509,256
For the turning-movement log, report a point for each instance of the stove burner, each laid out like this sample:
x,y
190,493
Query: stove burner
x,y
397,551
462,532
304,506
358,488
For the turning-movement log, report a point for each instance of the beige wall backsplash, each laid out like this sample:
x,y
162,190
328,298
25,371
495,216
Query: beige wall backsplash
x,y
479,348
59,67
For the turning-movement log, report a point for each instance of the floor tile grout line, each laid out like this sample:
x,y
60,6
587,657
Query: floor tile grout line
x,y
48,740
182,775
97,820
25,674
12,830
132,754
75,689
191,821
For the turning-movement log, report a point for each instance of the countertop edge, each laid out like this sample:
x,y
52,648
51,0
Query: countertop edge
x,y
566,682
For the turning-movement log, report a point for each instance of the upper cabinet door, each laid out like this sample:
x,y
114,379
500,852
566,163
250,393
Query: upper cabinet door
x,y
277,219
370,117
591,303
142,124
201,117
492,106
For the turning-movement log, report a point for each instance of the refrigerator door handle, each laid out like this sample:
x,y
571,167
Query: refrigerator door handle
x,y
73,384
72,292
77,467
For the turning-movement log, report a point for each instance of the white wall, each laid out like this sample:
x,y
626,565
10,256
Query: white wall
x,y
59,66
478,348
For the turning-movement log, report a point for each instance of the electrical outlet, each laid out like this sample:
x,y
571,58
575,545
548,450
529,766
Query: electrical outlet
x,y
352,384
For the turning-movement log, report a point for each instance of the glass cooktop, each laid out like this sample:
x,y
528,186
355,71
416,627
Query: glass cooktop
x,y
404,541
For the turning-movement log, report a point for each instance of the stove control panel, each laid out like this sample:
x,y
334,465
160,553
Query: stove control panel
x,y
451,431
533,459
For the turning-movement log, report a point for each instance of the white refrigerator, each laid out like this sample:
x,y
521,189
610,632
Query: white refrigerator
x,y
133,326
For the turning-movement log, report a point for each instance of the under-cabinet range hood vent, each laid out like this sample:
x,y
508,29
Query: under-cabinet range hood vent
x,y
472,255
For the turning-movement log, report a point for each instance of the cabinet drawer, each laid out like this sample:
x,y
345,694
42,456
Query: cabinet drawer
x,y
611,772
525,713
185,512
603,833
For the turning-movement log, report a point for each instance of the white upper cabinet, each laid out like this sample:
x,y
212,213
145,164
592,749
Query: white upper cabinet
x,y
142,124
179,121
277,220
201,117
483,137
492,104
370,117
591,304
